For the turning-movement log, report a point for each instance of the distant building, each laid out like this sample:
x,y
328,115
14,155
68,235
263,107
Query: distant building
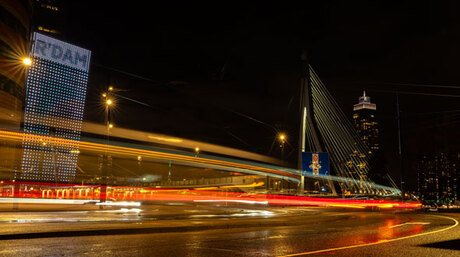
x,y
437,177
56,92
365,122
14,47
49,17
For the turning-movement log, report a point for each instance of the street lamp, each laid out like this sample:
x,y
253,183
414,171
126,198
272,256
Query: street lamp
x,y
27,61
282,138
197,151
108,104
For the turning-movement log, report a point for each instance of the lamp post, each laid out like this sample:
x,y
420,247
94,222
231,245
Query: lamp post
x,y
197,151
108,102
400,149
282,139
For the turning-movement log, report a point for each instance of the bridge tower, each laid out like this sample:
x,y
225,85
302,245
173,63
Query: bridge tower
x,y
313,143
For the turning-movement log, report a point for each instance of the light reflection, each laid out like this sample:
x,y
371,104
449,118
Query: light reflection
x,y
130,210
119,203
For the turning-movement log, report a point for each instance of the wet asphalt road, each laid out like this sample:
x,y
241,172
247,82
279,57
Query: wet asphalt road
x,y
271,232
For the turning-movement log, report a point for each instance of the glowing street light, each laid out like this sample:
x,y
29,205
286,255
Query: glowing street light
x,y
197,151
282,137
27,61
105,171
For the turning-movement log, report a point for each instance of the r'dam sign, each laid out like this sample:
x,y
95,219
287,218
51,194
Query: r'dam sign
x,y
61,52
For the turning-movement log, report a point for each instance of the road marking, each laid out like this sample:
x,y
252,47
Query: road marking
x,y
375,243
410,223
212,248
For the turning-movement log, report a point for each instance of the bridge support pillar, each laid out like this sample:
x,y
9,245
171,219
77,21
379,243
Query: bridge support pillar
x,y
302,184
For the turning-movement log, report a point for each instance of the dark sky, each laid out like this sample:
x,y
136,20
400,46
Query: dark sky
x,y
205,62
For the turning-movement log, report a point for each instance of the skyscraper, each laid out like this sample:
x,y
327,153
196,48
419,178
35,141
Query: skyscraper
x,y
437,177
365,122
49,17
56,92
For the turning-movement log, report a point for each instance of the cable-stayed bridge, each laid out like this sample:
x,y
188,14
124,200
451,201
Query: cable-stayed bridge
x,y
131,156
325,128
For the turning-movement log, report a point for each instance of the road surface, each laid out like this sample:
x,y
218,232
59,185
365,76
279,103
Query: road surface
x,y
228,231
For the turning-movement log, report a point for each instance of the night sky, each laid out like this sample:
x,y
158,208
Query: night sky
x,y
204,67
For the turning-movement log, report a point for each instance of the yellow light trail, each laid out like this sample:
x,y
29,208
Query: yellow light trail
x,y
127,151
259,184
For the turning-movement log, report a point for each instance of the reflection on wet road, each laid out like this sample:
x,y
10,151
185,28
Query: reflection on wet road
x,y
280,232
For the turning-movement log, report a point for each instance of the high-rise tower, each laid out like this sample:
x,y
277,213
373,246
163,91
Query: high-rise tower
x,y
437,177
56,92
49,17
365,122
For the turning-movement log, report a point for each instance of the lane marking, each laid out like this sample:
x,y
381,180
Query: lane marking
x,y
212,248
410,223
375,243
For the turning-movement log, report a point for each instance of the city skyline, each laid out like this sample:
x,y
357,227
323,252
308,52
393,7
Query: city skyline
x,y
180,68
264,94
174,97
180,128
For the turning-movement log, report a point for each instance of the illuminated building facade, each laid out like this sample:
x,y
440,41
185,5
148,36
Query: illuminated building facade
x,y
437,178
49,16
56,92
365,122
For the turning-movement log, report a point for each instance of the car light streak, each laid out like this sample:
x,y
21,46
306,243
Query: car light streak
x,y
290,174
137,194
113,149
232,201
54,192
259,184
43,201
119,204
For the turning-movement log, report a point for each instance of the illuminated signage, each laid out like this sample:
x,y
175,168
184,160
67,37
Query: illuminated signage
x,y
55,101
61,52
315,164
